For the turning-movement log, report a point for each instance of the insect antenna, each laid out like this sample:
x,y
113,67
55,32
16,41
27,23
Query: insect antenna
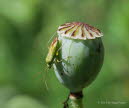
x,y
51,38
47,44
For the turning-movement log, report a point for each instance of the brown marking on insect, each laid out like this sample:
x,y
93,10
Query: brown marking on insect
x,y
54,41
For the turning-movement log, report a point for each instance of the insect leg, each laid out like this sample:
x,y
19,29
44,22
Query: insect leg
x,y
44,78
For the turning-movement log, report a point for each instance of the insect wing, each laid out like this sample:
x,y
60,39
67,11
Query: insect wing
x,y
52,51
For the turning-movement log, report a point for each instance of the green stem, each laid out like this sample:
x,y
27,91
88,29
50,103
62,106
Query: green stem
x,y
76,103
76,100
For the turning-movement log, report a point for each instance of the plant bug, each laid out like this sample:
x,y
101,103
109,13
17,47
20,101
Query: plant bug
x,y
52,53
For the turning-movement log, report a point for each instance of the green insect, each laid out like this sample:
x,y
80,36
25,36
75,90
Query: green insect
x,y
53,53
53,56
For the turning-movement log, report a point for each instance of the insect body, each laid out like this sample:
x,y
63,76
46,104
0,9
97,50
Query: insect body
x,y
52,53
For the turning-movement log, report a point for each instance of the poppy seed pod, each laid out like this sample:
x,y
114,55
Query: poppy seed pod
x,y
80,55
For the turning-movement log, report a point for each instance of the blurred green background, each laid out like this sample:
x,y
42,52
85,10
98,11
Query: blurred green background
x,y
25,28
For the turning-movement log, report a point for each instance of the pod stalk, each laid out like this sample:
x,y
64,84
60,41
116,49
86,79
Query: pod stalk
x,y
76,100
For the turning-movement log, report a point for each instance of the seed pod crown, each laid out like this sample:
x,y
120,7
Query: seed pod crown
x,y
78,30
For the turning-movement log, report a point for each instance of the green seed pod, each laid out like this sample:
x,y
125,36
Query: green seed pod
x,y
81,55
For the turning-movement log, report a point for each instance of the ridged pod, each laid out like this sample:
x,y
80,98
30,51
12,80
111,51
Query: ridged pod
x,y
78,30
80,55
